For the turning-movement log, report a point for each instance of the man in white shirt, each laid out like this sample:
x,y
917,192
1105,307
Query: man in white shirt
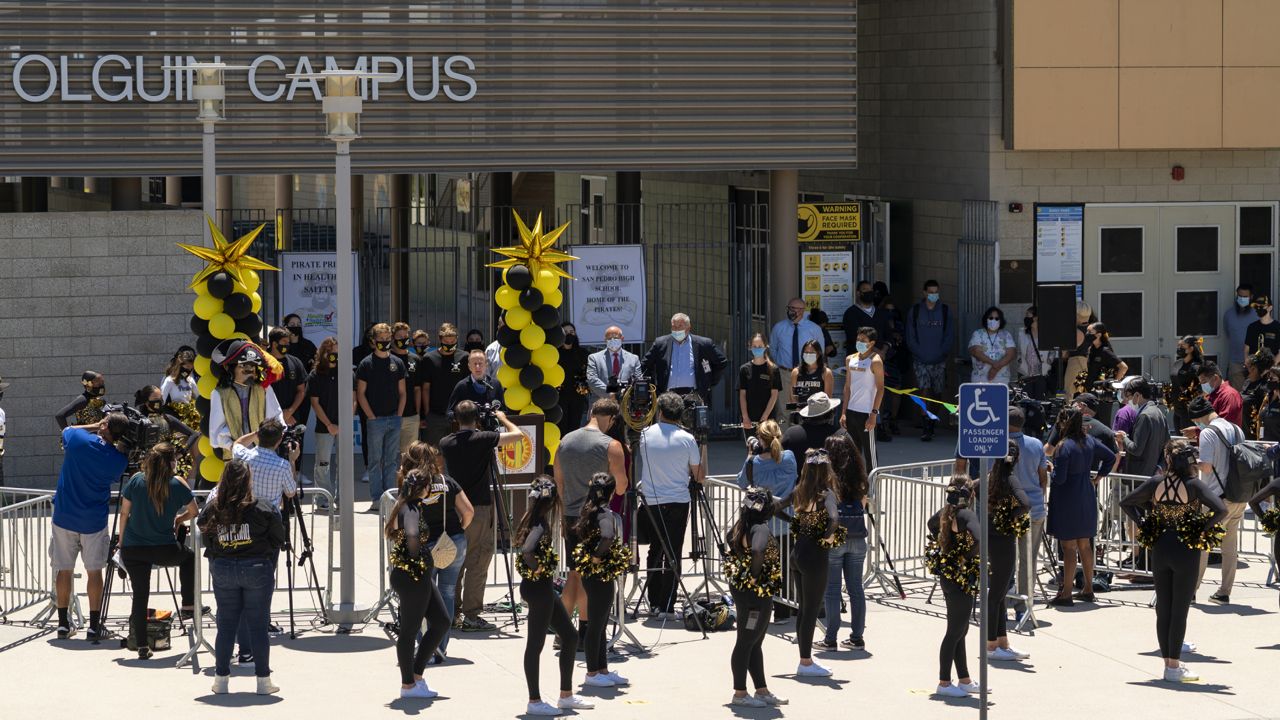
x,y
668,458
1215,465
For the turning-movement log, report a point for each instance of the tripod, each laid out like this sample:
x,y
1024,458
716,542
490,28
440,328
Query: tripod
x,y
293,506
502,524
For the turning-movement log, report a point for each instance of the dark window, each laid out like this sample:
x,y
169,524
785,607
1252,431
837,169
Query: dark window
x,y
1197,249
1197,313
1122,313
1255,226
1121,250
1135,365
1255,270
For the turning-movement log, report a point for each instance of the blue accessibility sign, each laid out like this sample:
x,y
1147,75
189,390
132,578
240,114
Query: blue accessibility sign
x,y
984,420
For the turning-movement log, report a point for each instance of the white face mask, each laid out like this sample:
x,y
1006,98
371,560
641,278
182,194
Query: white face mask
x,y
679,335
861,346
614,344
993,324
810,358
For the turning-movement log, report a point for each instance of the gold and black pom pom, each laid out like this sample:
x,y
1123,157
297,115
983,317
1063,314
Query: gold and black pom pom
x,y
1270,521
606,569
548,560
737,570
1008,519
1198,533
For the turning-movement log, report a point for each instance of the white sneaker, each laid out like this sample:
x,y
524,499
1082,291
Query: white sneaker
x,y
950,690
1006,654
1018,654
1188,647
419,691
574,702
599,680
973,688
266,687
422,683
616,678
220,683
748,701
771,699
814,670
540,708
1182,673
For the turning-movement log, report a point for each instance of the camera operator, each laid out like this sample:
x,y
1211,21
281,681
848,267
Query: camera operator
x,y
468,458
668,458
611,368
86,408
477,388
94,457
272,474
815,425
683,363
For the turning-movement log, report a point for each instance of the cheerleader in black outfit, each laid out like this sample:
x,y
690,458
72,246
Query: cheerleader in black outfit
x,y
537,565
815,529
1168,512
600,559
1269,519
1007,521
952,555
754,571
86,408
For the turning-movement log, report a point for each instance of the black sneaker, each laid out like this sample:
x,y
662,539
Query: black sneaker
x,y
144,653
477,624
188,613
94,633
854,643
826,644
244,659
1220,598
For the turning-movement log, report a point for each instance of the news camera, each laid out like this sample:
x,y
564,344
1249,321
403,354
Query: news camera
x,y
696,417
291,440
140,436
638,400
488,415
1040,414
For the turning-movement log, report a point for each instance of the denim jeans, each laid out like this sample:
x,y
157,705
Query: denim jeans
x,y
384,454
447,581
242,588
321,472
847,561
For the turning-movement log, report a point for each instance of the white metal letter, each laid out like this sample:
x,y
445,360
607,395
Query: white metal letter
x,y
471,83
17,78
253,78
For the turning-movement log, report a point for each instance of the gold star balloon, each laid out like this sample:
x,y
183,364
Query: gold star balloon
x,y
535,250
226,256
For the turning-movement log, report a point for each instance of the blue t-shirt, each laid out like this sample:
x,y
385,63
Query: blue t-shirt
x,y
147,527
1031,459
89,466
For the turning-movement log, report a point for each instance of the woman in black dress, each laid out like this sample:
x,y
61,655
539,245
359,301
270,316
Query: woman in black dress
x,y
753,568
1185,378
1168,511
1102,365
1073,501
952,555
574,392
1007,523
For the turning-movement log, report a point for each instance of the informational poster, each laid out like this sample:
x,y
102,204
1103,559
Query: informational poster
x,y
309,288
827,281
608,289
829,222
1059,243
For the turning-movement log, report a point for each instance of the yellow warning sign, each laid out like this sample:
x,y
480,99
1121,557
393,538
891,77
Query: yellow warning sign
x,y
829,222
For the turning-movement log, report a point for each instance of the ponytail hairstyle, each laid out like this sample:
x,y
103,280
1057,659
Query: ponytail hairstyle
x,y
420,456
999,482
758,506
143,396
816,478
1196,343
1101,331
599,492
235,495
770,436
544,507
416,484
157,468
959,492
846,462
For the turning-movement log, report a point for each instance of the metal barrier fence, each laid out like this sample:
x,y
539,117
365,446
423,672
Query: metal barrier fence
x,y
26,577
902,498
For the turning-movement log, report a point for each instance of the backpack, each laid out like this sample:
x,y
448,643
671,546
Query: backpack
x,y
714,612
1248,468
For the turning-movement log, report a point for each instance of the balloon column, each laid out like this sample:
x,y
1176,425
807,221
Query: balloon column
x,y
531,334
226,307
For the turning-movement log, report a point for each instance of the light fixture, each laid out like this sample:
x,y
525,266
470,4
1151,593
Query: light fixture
x,y
210,91
342,105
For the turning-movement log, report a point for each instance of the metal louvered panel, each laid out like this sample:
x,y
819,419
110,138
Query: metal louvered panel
x,y
594,85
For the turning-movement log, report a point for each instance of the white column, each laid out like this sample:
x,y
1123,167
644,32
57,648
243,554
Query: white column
x,y
208,180
346,610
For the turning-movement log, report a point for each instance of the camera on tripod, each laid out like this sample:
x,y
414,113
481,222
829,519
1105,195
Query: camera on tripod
x,y
291,440
1040,414
637,400
696,417
139,437
488,414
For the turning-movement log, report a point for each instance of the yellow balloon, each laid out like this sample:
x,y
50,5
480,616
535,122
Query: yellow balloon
x,y
202,289
553,375
508,377
206,447
506,297
551,438
251,281
239,336
544,356
202,365
211,468
533,337
207,385
518,318
206,306
222,326
547,282
257,303
553,298
517,397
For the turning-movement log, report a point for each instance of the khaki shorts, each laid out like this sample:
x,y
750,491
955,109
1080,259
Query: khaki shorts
x,y
65,545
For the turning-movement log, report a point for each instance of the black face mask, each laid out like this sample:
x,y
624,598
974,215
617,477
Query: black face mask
x,y
153,405
183,374
402,344
1182,353
333,358
1089,338
381,346
296,331
448,348
571,340
422,349
282,349
472,346
96,391
1262,312
866,298
1026,322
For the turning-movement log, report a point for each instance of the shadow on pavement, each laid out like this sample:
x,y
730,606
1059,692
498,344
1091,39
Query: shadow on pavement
x,y
340,643
1188,687
240,699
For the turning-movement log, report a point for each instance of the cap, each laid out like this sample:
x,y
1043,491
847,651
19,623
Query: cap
x,y
1200,407
1089,400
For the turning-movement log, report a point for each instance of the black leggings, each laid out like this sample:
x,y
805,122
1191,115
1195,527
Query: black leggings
x,y
855,424
1177,570
138,561
1004,551
959,608
546,611
419,600
599,600
809,563
753,625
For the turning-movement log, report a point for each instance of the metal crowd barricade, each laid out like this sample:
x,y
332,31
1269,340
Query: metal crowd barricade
x,y
902,498
26,526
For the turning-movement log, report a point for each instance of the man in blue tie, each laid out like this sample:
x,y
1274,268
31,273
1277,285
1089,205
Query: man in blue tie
x,y
477,387
787,338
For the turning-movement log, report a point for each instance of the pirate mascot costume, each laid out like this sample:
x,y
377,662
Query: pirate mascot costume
x,y
243,398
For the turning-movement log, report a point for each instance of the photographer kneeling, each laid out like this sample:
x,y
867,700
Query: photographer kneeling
x,y
668,458
154,504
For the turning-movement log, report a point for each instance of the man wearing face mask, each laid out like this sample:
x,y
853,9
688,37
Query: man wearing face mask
x,y
441,371
1236,321
1144,449
865,312
1217,436
421,343
86,408
1264,333
477,387
683,362
302,348
1226,401
409,421
291,389
243,399
574,392
930,337
381,394
786,341
611,368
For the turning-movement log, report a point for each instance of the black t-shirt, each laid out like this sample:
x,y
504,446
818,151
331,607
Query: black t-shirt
x,y
1102,364
304,350
412,379
382,378
449,519
442,372
286,388
807,436
324,386
468,456
1259,334
807,384
759,381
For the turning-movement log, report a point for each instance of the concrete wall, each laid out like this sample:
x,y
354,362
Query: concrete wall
x,y
100,290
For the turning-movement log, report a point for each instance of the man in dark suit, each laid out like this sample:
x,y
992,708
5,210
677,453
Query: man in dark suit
x,y
1144,451
611,368
477,388
682,362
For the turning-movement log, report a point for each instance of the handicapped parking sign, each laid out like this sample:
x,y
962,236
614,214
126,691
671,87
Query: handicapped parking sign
x,y
984,420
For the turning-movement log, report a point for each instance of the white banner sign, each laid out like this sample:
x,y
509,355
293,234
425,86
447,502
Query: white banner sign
x,y
608,289
309,288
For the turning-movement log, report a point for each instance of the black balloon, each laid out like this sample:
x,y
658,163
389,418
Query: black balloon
x,y
519,277
507,337
202,405
205,344
220,285
554,413
530,298
555,335
517,356
545,397
237,305
530,376
199,326
546,317
250,325
217,370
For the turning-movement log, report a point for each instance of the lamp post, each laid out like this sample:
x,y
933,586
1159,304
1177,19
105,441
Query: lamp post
x,y
209,90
